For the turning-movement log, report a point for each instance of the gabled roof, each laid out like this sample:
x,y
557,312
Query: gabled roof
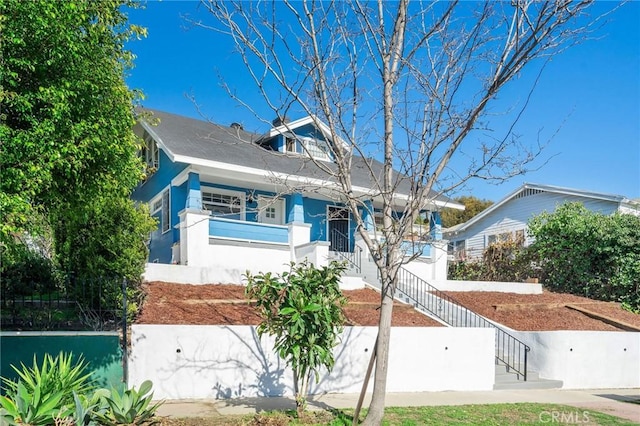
x,y
291,126
197,142
619,199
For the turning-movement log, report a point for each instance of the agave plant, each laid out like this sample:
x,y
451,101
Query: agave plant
x,y
32,408
86,409
131,407
56,375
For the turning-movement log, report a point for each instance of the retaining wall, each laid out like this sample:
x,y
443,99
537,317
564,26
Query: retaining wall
x,y
231,361
585,359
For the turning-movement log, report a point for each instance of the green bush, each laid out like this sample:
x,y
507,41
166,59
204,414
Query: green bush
x,y
506,260
589,254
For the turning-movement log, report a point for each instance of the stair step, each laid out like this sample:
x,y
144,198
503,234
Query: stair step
x,y
529,384
510,380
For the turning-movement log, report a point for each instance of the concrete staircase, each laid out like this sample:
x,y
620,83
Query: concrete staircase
x,y
504,379
509,380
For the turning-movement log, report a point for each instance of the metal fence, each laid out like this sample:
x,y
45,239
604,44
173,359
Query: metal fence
x,y
71,304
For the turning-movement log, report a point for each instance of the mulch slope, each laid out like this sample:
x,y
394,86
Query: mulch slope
x,y
223,304
545,312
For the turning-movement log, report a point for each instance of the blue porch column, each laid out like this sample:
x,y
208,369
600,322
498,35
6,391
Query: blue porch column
x,y
194,195
296,209
435,226
367,216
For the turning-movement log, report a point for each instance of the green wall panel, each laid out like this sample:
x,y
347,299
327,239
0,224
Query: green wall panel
x,y
101,350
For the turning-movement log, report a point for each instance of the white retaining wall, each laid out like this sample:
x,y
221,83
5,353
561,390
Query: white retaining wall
x,y
181,274
504,287
231,361
585,359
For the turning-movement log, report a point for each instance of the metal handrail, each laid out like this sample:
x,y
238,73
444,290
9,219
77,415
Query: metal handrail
x,y
511,351
341,244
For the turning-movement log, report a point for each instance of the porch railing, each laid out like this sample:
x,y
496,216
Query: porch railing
x,y
509,350
340,246
248,231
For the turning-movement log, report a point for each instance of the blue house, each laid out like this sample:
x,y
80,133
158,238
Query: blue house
x,y
231,200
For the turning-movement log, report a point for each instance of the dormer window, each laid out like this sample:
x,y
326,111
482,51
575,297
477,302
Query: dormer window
x,y
315,148
290,144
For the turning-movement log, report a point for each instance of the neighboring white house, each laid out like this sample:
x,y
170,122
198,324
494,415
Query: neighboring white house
x,y
508,218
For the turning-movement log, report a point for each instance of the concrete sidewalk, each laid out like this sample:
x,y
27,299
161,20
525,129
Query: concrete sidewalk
x,y
624,403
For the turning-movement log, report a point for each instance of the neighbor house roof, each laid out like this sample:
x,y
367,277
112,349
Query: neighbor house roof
x,y
619,199
199,142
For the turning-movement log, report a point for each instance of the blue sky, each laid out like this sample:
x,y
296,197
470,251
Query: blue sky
x,y
588,97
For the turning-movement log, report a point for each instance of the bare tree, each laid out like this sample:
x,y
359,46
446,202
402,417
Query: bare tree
x,y
407,83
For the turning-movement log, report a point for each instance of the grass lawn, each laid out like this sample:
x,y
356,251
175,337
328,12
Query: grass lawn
x,y
492,414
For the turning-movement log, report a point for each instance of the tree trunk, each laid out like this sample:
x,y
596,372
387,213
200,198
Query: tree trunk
x,y
376,408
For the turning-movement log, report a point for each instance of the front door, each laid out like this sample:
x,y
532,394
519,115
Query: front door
x,y
338,229
271,210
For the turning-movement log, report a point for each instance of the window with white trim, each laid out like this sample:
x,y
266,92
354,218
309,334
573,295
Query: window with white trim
x,y
220,203
166,212
316,148
156,205
150,154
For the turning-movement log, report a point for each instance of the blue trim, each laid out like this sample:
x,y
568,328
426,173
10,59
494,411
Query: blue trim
x,y
295,208
194,195
248,231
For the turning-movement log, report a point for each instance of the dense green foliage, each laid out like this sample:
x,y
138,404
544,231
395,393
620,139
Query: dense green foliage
x,y
302,309
473,206
589,254
69,155
505,260
575,251
60,391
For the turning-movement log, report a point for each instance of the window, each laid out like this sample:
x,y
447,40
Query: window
x,y
504,237
150,154
457,249
290,144
166,213
315,148
222,203
156,205
312,147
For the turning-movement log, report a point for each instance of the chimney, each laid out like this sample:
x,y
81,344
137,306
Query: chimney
x,y
279,121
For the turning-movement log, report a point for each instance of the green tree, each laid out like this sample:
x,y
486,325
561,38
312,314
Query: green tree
x,y
590,254
302,309
68,149
472,206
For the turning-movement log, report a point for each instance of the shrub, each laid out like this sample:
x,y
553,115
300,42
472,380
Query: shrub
x,y
303,310
588,253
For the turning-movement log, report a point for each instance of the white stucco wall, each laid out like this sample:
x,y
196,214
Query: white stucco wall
x,y
503,287
231,361
585,359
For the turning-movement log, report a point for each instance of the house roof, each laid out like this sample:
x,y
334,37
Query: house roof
x,y
202,143
619,199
